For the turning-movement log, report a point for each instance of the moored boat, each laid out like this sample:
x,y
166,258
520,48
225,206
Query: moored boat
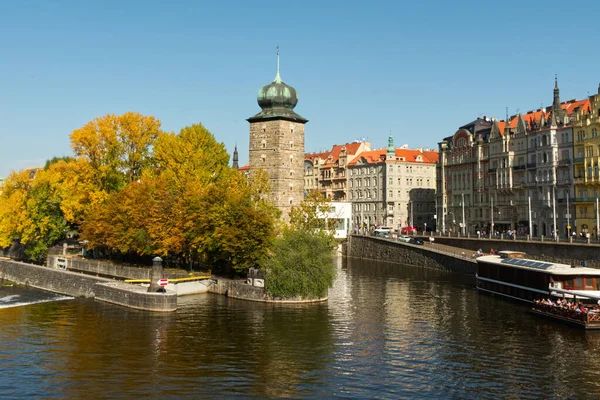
x,y
510,274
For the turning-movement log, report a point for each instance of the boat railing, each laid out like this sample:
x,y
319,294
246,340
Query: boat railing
x,y
590,315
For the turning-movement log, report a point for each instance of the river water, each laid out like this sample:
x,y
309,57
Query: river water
x,y
387,331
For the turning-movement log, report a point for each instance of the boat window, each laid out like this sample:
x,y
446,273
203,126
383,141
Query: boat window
x,y
597,284
579,282
569,283
588,283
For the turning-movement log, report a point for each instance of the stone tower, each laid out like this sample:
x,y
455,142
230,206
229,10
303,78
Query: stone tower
x,y
277,143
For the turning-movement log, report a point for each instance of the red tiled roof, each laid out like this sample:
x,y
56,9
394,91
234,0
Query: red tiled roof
x,y
569,106
374,156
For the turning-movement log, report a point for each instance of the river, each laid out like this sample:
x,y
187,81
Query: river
x,y
387,331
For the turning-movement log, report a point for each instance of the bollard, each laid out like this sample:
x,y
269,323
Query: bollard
x,y
156,273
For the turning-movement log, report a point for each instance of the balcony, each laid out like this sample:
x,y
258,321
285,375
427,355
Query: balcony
x,y
492,170
578,160
564,162
579,180
518,167
531,165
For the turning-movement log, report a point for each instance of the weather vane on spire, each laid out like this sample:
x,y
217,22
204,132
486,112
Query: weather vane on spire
x,y
277,77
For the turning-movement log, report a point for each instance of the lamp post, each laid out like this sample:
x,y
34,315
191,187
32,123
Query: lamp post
x,y
453,218
554,230
492,216
463,214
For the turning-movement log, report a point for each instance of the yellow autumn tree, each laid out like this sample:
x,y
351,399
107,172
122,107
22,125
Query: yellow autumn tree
x,y
30,212
191,206
117,147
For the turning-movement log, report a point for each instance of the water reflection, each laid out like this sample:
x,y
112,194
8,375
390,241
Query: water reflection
x,y
387,331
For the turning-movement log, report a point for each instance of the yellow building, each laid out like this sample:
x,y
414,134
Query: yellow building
x,y
586,157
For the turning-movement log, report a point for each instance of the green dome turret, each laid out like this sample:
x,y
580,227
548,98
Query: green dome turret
x,y
277,101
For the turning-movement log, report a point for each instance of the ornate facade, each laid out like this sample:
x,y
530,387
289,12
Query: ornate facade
x,y
393,187
512,175
327,171
586,164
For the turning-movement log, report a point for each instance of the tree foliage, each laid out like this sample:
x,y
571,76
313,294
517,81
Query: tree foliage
x,y
301,263
117,147
30,212
133,189
190,204
301,266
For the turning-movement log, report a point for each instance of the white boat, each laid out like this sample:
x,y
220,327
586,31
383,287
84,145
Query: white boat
x,y
511,275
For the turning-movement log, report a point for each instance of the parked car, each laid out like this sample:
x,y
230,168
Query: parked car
x,y
408,229
383,233
404,238
416,240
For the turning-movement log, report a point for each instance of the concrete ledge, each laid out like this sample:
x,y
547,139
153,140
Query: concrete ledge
x,y
241,290
134,296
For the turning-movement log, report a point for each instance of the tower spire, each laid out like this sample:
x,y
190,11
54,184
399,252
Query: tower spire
x,y
235,158
277,77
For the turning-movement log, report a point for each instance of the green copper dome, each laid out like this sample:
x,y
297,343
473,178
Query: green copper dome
x,y
277,101
277,95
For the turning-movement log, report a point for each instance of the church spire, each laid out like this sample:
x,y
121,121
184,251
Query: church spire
x,y
556,113
235,158
556,102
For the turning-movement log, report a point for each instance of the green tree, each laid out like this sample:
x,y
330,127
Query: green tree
x,y
301,263
301,266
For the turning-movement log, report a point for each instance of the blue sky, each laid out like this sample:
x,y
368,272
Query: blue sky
x,y
362,69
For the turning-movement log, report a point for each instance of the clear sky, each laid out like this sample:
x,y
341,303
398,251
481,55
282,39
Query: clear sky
x,y
362,69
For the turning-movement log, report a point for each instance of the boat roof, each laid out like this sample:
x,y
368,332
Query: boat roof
x,y
537,265
590,294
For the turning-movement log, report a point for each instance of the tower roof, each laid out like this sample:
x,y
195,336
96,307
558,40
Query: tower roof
x,y
277,101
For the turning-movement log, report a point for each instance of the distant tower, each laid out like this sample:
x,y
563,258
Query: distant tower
x,y
277,143
391,151
235,158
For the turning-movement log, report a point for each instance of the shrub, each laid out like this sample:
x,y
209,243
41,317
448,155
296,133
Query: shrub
x,y
300,266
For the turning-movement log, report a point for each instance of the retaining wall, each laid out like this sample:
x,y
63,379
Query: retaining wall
x,y
54,280
372,248
241,290
83,285
134,296
103,268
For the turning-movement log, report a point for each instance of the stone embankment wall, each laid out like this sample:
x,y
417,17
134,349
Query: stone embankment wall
x,y
82,285
239,289
54,280
566,253
134,296
103,268
367,247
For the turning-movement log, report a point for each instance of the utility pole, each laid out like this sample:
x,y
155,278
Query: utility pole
x,y
492,214
597,219
463,214
554,213
568,217
530,222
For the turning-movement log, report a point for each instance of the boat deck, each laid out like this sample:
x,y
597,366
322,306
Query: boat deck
x,y
586,320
